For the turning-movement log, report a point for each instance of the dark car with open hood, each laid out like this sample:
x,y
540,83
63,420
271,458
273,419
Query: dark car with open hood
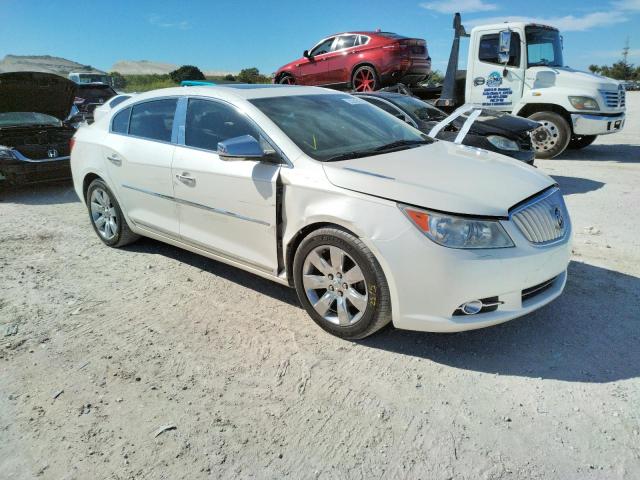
x,y
34,135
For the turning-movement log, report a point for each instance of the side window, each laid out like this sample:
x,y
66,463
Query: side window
x,y
488,50
362,40
153,120
120,122
324,47
210,122
385,106
346,41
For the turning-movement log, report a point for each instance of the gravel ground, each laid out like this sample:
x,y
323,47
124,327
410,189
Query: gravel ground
x,y
100,349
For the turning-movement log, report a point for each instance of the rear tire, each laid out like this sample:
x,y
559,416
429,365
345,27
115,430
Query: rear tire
x,y
341,284
558,134
365,79
581,141
106,216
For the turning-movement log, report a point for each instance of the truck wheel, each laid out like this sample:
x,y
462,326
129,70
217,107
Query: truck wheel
x,y
581,141
341,284
365,79
552,140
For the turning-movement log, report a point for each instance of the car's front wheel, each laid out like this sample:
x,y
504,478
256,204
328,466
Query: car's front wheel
x,y
106,216
287,79
341,284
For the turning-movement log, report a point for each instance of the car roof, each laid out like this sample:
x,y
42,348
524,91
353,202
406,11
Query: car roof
x,y
238,91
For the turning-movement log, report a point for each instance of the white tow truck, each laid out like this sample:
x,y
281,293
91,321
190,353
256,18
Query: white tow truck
x,y
518,68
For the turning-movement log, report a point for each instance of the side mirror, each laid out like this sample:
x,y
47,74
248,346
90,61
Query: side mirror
x,y
240,148
504,44
306,54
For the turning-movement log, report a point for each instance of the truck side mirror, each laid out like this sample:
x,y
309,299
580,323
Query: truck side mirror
x,y
504,44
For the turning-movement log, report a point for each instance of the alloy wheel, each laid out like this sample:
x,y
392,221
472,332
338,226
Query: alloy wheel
x,y
103,214
335,285
364,80
287,80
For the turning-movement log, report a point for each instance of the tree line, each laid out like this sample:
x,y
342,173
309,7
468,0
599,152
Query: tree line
x,y
620,70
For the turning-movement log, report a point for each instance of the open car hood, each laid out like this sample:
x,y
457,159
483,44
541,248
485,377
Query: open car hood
x,y
442,176
36,92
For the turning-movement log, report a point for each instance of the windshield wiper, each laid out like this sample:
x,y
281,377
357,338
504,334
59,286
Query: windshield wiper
x,y
400,144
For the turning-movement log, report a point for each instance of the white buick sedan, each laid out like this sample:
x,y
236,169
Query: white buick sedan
x,y
369,219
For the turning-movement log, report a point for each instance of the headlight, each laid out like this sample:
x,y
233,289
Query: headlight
x,y
6,153
584,103
458,232
502,143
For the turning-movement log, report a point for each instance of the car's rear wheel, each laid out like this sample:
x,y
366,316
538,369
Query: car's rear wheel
x,y
551,140
365,79
106,216
287,79
581,141
341,285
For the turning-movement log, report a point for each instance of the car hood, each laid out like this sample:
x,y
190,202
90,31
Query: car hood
x,y
489,123
36,92
442,176
545,77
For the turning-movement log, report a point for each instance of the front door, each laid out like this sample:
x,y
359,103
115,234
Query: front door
x,y
225,207
139,156
313,70
338,59
489,87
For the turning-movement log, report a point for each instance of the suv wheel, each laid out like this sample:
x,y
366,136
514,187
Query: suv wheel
x,y
365,79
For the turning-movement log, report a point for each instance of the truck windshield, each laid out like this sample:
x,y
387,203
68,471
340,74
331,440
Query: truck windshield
x,y
544,47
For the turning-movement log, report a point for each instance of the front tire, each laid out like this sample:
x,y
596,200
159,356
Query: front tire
x,y
287,79
106,216
553,139
581,141
341,285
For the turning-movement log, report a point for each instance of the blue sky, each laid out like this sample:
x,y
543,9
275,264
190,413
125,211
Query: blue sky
x,y
228,35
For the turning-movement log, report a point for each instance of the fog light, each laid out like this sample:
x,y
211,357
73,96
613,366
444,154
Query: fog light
x,y
472,307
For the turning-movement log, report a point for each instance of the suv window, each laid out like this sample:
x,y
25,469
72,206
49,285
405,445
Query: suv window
x,y
209,122
346,41
362,40
488,50
120,123
153,120
324,47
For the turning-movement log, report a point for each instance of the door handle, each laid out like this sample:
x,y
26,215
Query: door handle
x,y
186,179
114,159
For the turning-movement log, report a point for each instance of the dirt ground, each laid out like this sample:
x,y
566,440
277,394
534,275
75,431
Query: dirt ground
x,y
101,348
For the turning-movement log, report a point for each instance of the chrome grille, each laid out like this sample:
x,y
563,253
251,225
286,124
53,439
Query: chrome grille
x,y
614,98
544,219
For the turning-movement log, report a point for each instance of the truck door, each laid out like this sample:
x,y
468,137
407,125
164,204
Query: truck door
x,y
487,86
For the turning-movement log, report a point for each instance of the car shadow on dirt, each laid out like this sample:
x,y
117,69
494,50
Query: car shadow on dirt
x,y
51,193
233,274
576,185
621,153
590,334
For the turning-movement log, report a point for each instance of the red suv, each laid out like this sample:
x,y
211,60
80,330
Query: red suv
x,y
362,61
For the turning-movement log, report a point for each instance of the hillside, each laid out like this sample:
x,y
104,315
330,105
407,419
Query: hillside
x,y
43,63
147,67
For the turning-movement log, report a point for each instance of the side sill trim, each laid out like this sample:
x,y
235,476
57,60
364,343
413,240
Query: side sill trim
x,y
197,205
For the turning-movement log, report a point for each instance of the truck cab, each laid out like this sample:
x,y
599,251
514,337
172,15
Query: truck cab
x,y
518,67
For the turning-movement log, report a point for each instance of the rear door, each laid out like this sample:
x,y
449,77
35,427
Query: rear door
x,y
338,59
225,207
138,155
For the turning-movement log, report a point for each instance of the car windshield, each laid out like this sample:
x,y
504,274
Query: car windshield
x,y
544,47
338,127
419,109
18,119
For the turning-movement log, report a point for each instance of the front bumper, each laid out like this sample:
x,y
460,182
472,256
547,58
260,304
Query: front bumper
x,y
430,282
588,124
24,171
